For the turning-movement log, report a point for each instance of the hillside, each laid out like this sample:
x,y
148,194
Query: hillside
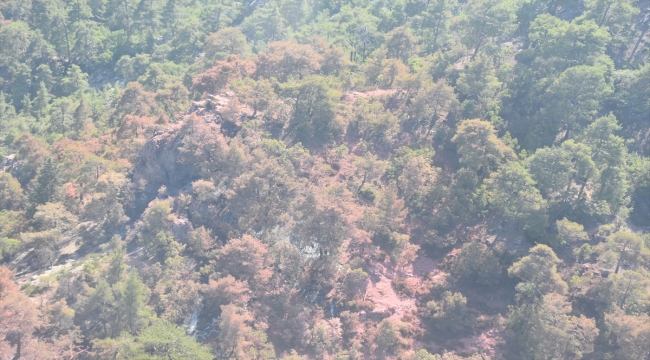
x,y
293,179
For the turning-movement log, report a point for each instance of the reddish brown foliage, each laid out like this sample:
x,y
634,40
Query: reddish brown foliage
x,y
136,127
282,59
223,73
18,320
225,291
245,259
135,100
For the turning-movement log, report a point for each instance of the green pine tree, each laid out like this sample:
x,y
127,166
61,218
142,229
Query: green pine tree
x,y
132,308
27,105
45,187
41,101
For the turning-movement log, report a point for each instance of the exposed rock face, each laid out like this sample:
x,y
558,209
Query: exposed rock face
x,y
181,229
157,165
158,161
10,164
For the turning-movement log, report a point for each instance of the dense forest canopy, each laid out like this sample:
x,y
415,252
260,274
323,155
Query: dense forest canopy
x,y
325,179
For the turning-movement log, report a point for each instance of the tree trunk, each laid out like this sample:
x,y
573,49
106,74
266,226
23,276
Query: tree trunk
x,y
436,32
363,182
476,48
602,21
638,41
67,40
618,262
19,345
568,188
432,123
128,21
624,299
62,119
582,188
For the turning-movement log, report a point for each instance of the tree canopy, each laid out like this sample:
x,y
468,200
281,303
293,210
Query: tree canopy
x,y
306,179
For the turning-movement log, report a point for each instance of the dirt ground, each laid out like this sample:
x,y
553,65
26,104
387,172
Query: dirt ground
x,y
380,292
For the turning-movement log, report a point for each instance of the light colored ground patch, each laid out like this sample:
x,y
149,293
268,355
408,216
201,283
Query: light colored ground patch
x,y
32,277
484,343
423,266
380,292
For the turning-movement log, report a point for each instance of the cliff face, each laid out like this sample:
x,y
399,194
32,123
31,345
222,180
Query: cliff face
x,y
160,161
187,150
157,165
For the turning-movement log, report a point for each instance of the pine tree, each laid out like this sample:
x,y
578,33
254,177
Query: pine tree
x,y
45,187
6,109
170,16
27,105
3,105
41,101
81,115
132,303
117,264
162,340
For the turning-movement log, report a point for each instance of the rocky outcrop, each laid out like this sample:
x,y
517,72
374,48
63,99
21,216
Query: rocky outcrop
x,y
9,163
158,162
157,166
181,228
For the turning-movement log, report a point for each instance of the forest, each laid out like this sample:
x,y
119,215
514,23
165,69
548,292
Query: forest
x,y
325,179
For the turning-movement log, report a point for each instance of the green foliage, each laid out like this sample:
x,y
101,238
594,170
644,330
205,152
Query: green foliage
x,y
627,291
570,232
368,193
422,354
575,97
110,310
486,19
11,193
154,231
431,101
545,329
436,21
11,222
551,169
402,157
475,262
479,147
117,262
641,209
539,269
46,186
261,169
622,248
387,340
450,313
8,247
131,300
562,41
161,340
511,192
314,118
225,42
582,253
480,90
